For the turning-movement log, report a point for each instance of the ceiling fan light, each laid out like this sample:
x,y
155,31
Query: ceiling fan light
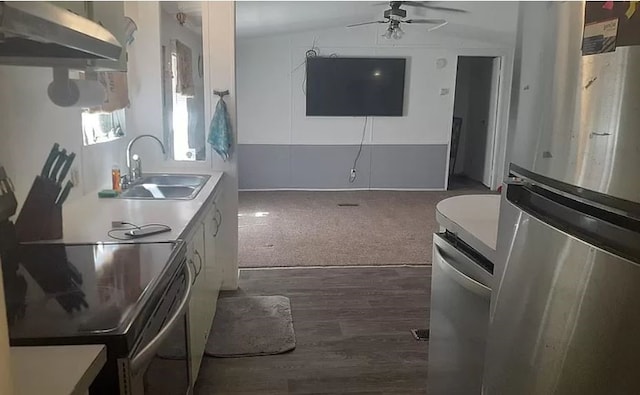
x,y
387,34
398,33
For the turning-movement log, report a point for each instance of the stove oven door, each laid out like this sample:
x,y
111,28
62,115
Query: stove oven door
x,y
159,365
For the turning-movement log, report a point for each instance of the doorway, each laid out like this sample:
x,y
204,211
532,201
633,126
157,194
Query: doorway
x,y
474,121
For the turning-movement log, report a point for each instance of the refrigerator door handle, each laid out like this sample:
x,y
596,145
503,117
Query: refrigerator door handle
x,y
445,252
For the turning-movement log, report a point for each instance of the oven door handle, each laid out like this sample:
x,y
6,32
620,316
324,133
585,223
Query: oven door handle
x,y
445,252
140,360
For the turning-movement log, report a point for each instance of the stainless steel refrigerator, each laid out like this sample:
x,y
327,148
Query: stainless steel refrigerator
x,y
565,313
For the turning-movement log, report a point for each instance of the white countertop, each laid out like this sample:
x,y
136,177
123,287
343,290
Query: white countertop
x,y
71,369
474,219
88,219
56,370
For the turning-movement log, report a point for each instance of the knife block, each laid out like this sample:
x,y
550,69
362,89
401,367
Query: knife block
x,y
40,218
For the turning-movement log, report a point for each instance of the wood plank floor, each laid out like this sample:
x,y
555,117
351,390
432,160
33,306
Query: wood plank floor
x,y
352,329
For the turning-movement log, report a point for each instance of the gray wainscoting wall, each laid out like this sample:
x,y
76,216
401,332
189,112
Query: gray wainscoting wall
x,y
267,166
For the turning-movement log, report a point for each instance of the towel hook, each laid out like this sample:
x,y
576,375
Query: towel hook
x,y
221,93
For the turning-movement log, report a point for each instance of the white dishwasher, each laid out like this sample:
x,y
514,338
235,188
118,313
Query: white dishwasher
x,y
461,293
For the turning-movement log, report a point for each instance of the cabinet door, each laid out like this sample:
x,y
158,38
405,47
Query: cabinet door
x,y
198,307
213,226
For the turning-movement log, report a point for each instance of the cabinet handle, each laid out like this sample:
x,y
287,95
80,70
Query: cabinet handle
x,y
196,253
215,220
193,266
218,221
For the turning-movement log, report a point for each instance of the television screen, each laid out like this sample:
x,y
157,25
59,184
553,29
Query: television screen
x,y
355,86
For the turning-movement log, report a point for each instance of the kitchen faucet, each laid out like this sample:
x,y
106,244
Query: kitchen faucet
x,y
134,172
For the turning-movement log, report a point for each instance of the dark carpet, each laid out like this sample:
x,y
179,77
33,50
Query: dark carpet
x,y
295,228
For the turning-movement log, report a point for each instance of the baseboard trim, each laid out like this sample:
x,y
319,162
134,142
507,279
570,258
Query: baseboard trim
x,y
343,189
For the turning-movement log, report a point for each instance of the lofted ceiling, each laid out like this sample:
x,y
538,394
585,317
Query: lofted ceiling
x,y
257,18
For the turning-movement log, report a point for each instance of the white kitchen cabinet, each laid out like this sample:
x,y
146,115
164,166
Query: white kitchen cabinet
x,y
199,301
212,226
201,252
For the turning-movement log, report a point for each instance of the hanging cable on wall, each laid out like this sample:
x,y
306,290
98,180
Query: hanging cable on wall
x,y
313,52
353,173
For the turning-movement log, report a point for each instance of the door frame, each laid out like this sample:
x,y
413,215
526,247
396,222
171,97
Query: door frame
x,y
500,132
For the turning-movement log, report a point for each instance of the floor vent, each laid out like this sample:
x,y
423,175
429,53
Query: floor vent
x,y
348,204
420,334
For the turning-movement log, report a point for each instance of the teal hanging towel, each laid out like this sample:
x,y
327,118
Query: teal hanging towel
x,y
220,133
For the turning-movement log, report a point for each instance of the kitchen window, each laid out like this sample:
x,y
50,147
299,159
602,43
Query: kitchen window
x,y
100,127
180,117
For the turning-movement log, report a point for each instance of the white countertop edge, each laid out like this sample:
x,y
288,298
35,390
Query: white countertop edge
x,y
40,370
465,227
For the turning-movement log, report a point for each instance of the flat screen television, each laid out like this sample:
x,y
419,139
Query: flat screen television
x,y
355,86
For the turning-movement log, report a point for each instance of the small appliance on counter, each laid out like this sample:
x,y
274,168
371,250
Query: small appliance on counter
x,y
130,297
461,282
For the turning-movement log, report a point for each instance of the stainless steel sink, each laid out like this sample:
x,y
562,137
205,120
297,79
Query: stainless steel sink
x,y
166,187
173,179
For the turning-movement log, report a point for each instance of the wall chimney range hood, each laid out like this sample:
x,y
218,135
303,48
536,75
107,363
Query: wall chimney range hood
x,y
45,35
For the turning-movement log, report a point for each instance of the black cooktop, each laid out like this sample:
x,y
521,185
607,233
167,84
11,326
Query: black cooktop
x,y
85,290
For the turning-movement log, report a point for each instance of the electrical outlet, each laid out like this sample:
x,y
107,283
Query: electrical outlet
x,y
352,175
75,176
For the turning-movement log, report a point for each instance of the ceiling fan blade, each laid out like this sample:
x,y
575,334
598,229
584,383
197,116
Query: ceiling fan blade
x,y
431,21
366,23
437,26
425,4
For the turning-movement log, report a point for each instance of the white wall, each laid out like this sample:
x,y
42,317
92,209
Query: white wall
x,y
145,91
145,77
219,25
170,30
32,123
271,103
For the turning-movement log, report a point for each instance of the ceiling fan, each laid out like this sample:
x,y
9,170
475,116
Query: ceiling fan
x,y
395,15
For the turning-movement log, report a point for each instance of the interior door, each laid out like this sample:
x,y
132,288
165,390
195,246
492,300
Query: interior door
x,y
492,122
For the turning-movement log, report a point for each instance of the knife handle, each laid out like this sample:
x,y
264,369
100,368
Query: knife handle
x,y
66,167
53,154
62,156
64,194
